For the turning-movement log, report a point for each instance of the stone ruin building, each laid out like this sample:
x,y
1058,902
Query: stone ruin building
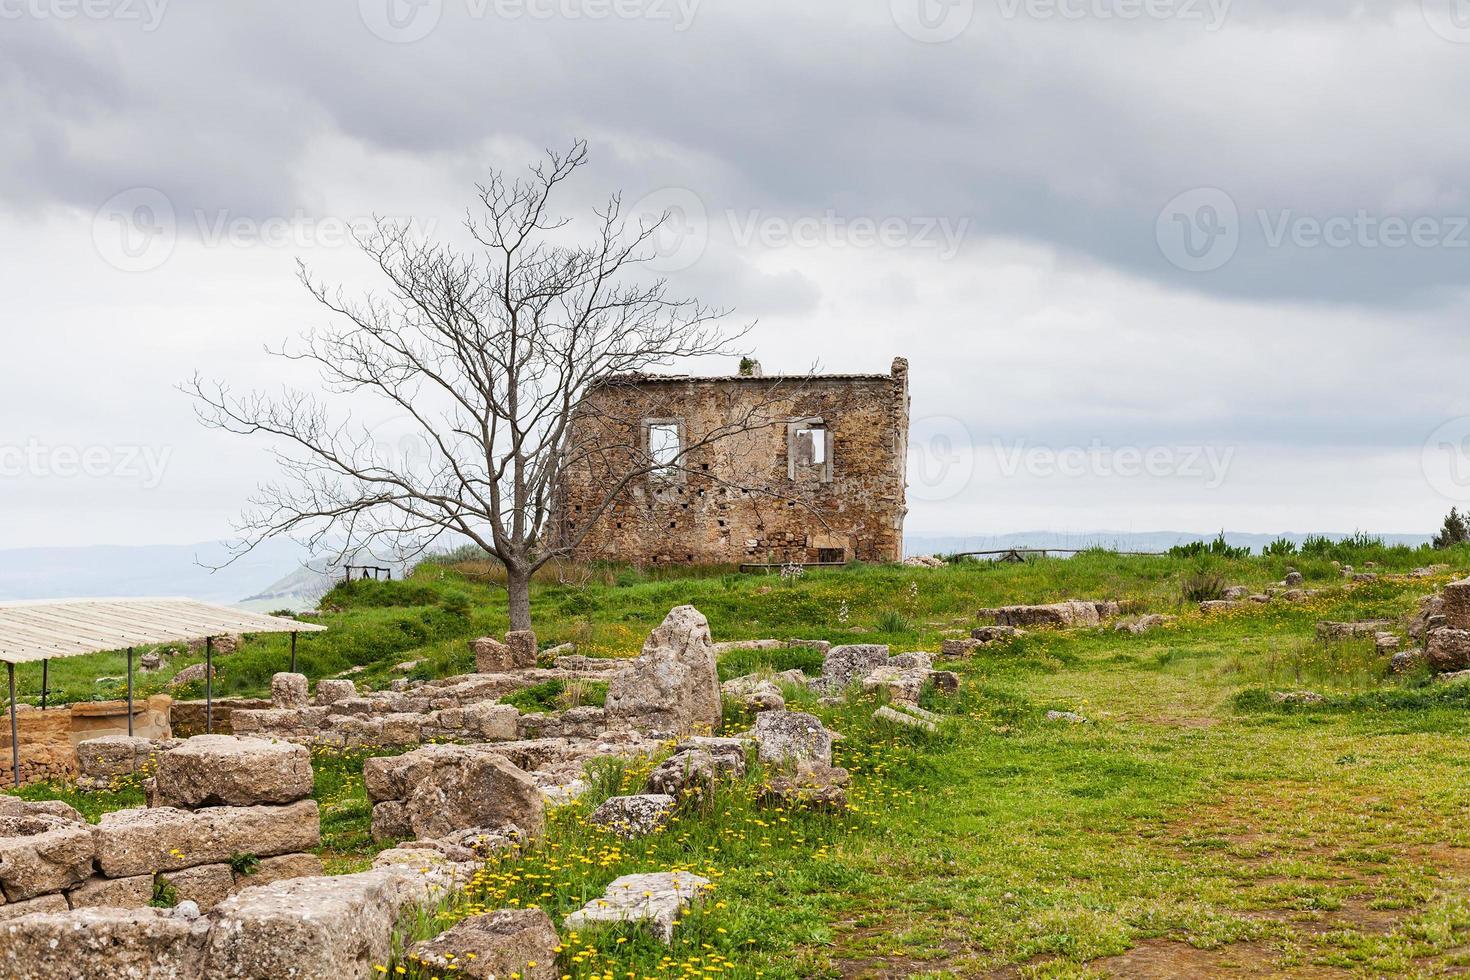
x,y
745,468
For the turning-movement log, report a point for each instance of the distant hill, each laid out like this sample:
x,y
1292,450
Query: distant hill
x,y
275,575
919,544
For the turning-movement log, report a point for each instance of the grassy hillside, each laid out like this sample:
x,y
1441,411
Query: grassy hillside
x,y
1192,826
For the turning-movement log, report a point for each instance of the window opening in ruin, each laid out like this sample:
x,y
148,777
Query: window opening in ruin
x,y
663,447
811,445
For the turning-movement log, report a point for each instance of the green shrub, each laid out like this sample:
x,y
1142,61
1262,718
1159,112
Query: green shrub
x,y
1204,585
1217,547
1280,548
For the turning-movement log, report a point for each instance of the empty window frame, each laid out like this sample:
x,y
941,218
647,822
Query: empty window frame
x,y
664,442
809,450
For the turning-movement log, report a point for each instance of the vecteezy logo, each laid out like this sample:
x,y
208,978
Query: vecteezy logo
x,y
1450,19
135,230
682,230
941,458
401,21
932,21
1446,459
1199,230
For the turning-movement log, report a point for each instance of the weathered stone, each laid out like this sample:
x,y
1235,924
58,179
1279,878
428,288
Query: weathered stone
x,y
133,842
1456,607
391,821
226,770
654,900
279,868
121,893
492,656
42,853
852,662
104,944
960,648
1218,605
1143,623
1385,642
1429,615
885,713
205,885
1344,631
792,737
522,644
994,634
1404,661
489,722
1293,579
1297,697
189,675
1073,612
334,926
1235,592
1447,649
695,770
289,690
55,902
634,816
102,761
1071,717
673,686
511,942
477,792
814,786
910,661
330,691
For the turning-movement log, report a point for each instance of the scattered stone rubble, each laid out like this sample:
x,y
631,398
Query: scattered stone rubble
x,y
230,820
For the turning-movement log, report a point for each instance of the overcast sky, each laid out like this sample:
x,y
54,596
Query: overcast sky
x,y
1183,264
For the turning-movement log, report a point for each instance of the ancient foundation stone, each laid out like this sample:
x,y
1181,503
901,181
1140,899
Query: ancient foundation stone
x,y
289,690
133,842
522,644
104,944
226,770
510,942
40,854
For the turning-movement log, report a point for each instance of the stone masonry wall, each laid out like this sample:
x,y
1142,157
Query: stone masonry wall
x,y
741,498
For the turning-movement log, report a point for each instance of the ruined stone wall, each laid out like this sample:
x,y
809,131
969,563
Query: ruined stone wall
x,y
755,496
46,750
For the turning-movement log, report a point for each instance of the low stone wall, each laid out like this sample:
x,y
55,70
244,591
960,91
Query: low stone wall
x,y
308,927
188,716
224,814
103,763
49,739
46,750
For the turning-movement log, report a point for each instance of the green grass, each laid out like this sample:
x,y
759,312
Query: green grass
x,y
1191,816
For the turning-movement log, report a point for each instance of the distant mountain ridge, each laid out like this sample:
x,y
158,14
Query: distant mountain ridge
x,y
922,544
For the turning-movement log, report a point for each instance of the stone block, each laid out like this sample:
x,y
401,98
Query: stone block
x,y
510,942
133,842
227,770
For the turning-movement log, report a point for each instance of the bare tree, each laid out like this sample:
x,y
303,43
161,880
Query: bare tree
x,y
485,356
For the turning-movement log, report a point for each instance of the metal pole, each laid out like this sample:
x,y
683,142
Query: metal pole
x,y
45,681
14,728
208,684
130,692
293,653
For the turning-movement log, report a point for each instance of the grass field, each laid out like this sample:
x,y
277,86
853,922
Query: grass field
x,y
1192,827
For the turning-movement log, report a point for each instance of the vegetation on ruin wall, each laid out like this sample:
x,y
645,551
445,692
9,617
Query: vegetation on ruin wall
x,y
1191,819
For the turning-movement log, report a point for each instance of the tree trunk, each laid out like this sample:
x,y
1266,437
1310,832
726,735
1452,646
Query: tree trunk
x,y
518,585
